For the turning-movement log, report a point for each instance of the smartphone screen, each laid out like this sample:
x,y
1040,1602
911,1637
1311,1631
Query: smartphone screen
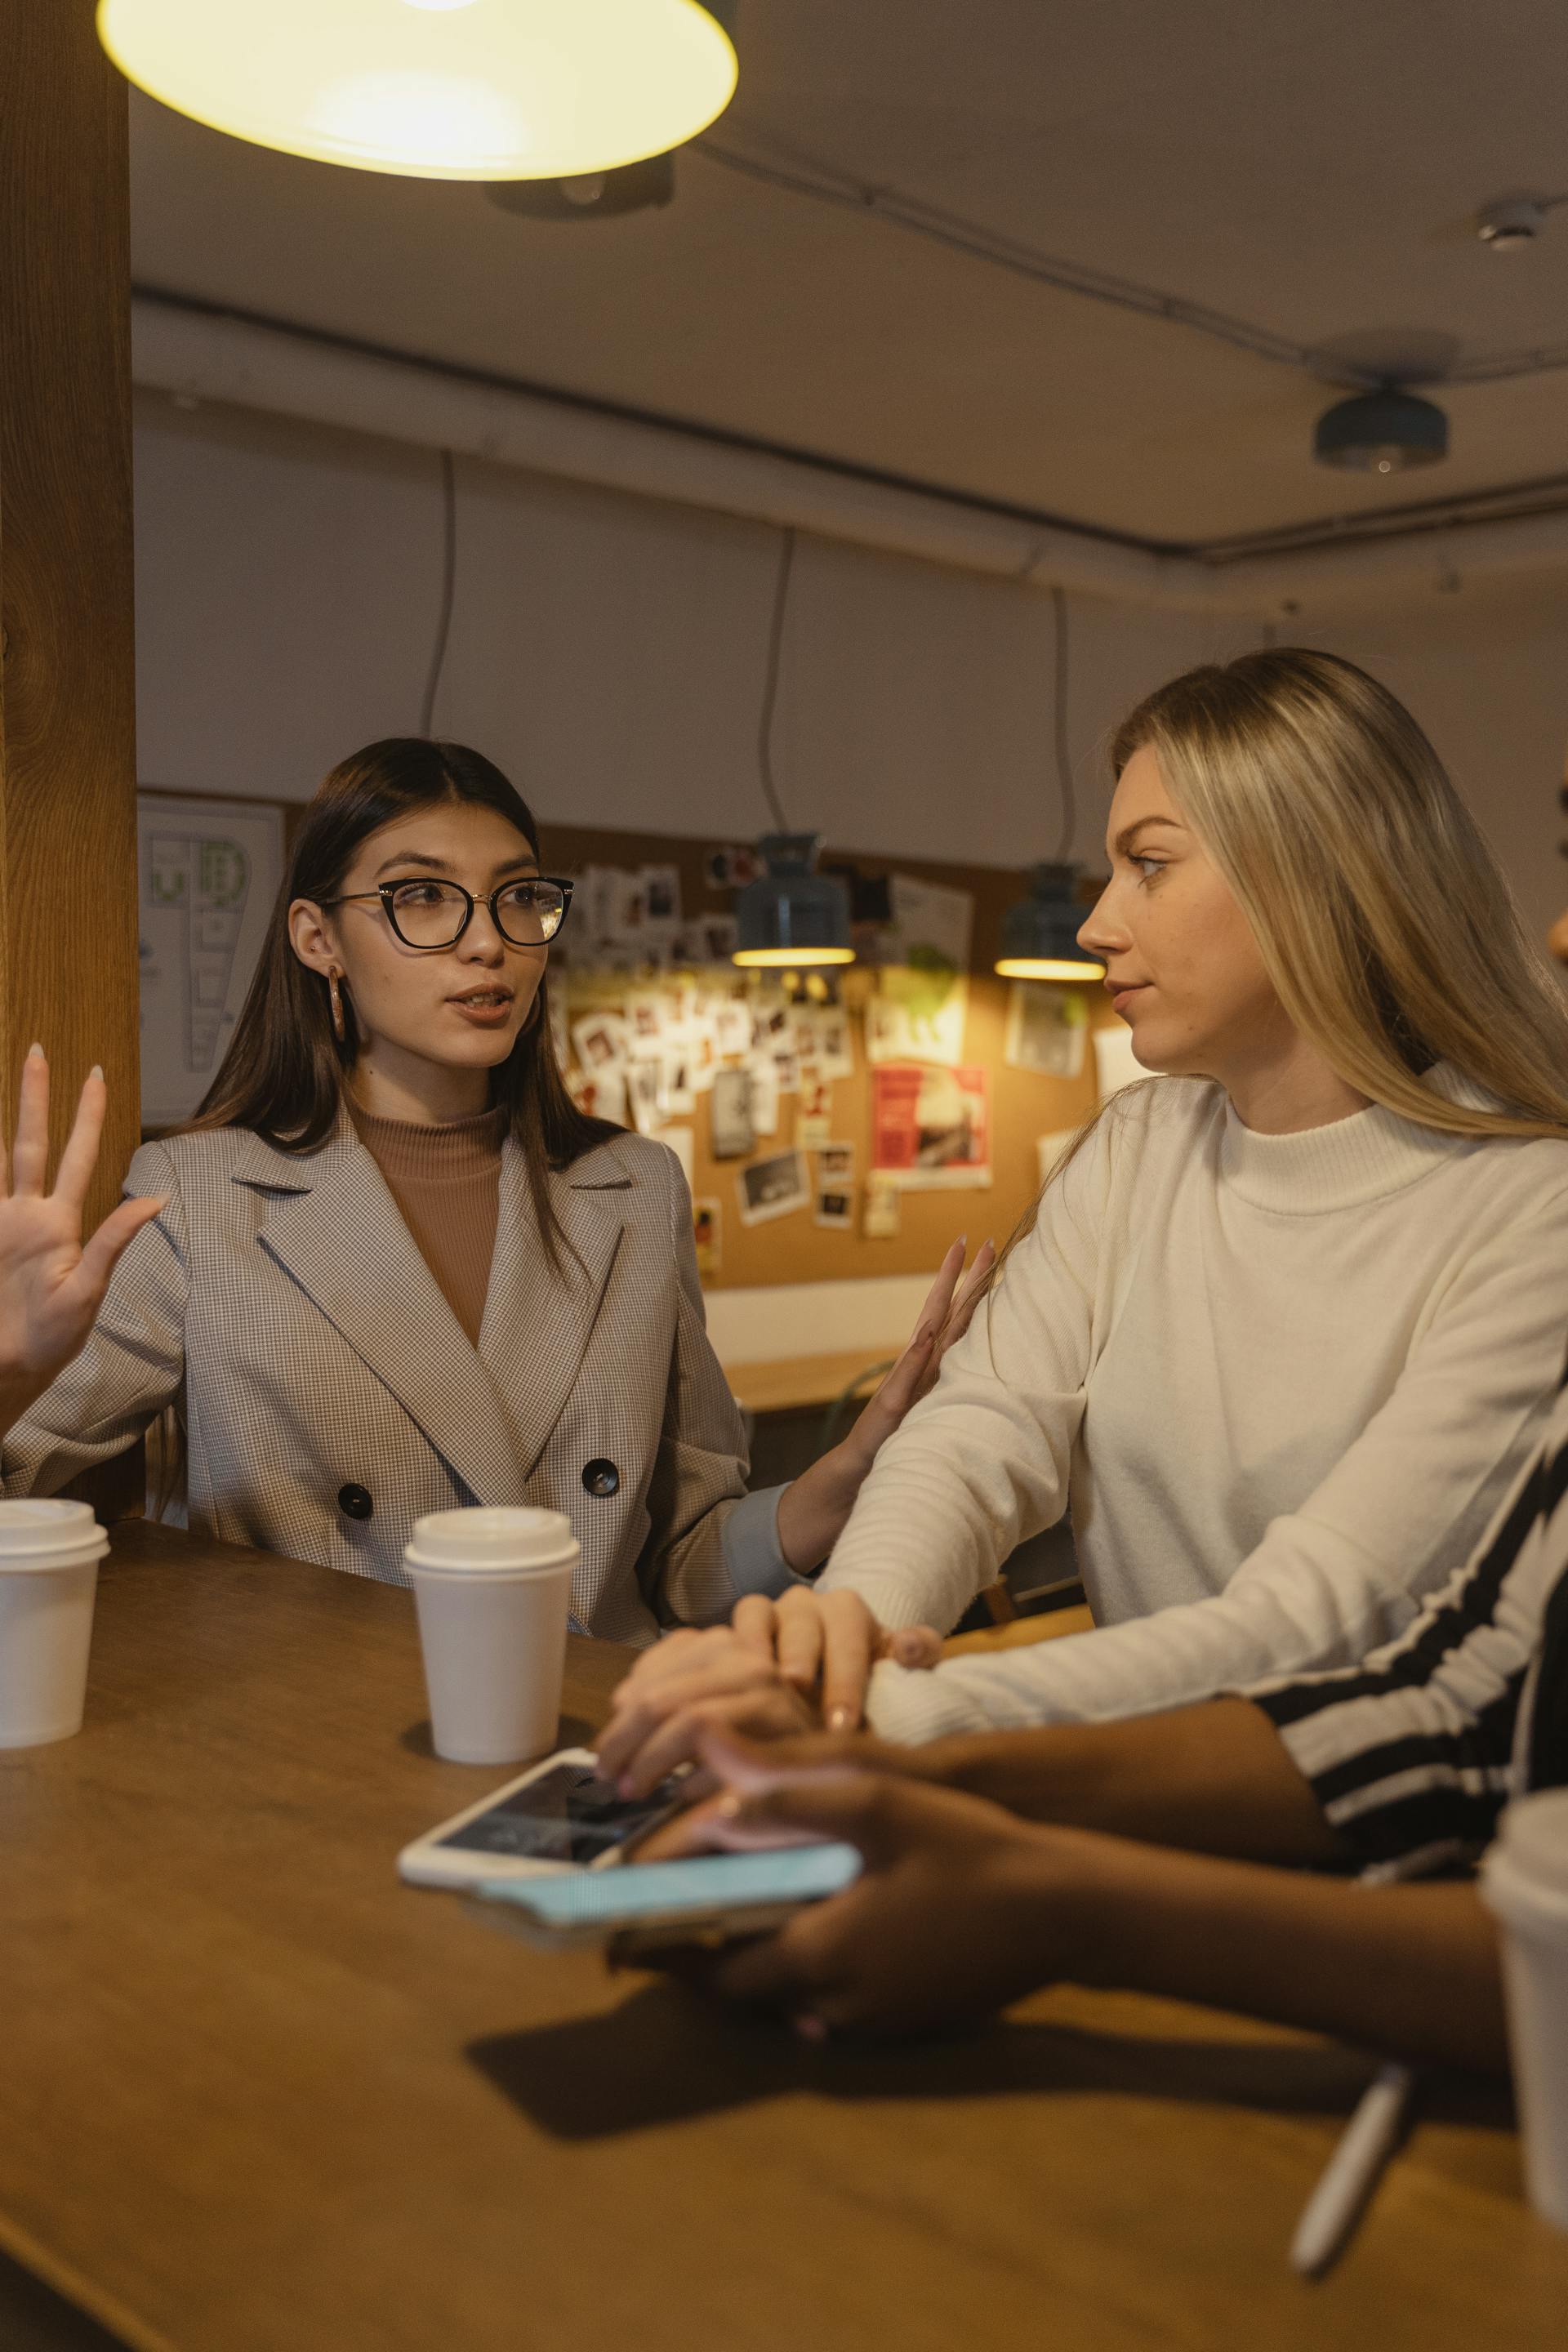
x,y
568,1815
700,1885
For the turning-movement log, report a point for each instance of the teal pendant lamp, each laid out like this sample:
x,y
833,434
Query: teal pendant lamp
x,y
790,915
1039,934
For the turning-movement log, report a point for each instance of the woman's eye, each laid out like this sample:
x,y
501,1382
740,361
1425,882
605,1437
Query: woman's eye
x,y
419,894
1148,867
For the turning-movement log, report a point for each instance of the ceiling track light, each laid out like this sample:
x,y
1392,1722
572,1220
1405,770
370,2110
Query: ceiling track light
x,y
1508,225
1382,431
437,89
590,195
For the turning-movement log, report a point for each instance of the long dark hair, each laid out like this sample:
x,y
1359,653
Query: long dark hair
x,y
284,1073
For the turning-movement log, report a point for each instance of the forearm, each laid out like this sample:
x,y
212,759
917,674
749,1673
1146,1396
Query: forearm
x,y
1412,1971
1215,1778
814,1509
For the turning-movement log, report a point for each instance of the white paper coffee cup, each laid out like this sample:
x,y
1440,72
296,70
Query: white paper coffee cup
x,y
1524,1884
493,1589
49,1552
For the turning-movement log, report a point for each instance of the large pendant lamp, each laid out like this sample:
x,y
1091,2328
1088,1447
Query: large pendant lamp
x,y
1039,934
435,89
790,915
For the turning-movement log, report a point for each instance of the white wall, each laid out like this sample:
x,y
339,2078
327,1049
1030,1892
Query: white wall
x,y
1484,669
607,651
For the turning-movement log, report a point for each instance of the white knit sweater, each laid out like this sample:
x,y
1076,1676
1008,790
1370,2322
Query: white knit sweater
x,y
1287,1381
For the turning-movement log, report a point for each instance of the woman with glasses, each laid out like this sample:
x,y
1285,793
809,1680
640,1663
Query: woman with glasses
x,y
390,1267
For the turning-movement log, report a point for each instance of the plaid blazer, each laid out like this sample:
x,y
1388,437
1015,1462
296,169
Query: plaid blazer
x,y
329,1395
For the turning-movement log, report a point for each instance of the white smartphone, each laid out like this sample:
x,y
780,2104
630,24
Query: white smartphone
x,y
701,1898
558,1818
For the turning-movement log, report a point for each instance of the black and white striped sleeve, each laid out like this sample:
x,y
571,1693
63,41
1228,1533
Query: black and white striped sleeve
x,y
1411,1754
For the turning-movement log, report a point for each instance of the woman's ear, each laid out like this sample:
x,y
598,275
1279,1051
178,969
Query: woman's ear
x,y
310,939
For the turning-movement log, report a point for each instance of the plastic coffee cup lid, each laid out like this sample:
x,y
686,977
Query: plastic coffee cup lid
x,y
490,1540
41,1532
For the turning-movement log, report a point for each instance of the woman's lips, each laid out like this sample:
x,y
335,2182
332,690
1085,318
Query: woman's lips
x,y
492,1014
1122,993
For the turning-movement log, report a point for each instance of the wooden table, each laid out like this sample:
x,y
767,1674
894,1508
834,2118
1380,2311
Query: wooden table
x,y
794,1383
257,2096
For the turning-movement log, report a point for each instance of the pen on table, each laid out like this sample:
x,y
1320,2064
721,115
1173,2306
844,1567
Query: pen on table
x,y
1335,2205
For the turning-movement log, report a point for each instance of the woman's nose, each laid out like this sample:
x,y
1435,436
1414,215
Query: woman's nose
x,y
1097,932
482,942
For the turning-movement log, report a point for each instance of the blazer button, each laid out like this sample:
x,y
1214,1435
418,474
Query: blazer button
x,y
354,1502
601,1477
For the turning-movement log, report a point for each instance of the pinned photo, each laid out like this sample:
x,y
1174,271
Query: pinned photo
x,y
731,1124
882,1211
835,1162
645,1092
775,1187
835,1209
707,1234
600,1039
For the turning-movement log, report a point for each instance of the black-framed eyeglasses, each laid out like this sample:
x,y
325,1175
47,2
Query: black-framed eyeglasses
x,y
427,913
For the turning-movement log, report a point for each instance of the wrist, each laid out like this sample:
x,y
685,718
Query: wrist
x,y
813,1510
1072,1885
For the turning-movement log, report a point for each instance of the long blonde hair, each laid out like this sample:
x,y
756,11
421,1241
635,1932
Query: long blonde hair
x,y
1382,918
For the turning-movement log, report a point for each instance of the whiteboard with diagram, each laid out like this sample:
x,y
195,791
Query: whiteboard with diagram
x,y
209,873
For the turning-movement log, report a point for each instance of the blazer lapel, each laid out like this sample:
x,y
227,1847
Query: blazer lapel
x,y
537,1318
334,1226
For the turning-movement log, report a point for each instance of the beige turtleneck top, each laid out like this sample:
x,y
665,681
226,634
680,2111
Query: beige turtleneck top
x,y
446,1182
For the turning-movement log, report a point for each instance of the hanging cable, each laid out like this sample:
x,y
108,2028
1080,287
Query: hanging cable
x,y
917,218
449,589
770,686
1064,755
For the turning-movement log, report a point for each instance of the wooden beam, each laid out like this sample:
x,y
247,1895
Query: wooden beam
x,y
67,721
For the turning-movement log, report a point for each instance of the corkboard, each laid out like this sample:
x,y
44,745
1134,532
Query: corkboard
x,y
1023,1106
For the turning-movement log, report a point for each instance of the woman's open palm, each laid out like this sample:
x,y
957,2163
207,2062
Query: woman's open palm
x,y
51,1285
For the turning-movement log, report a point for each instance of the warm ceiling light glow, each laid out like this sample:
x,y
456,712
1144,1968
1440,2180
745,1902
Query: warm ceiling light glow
x,y
790,959
1049,968
435,89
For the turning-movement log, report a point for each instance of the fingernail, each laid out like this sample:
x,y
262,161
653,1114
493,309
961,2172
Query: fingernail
x,y
626,1786
840,1718
96,1071
35,1052
728,1806
809,2026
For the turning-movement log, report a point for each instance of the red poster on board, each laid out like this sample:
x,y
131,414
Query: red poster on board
x,y
931,1126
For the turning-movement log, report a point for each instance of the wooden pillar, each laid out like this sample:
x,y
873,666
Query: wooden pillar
x,y
68,721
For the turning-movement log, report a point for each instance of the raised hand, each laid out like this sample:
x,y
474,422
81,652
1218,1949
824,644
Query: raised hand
x,y
51,1286
944,1319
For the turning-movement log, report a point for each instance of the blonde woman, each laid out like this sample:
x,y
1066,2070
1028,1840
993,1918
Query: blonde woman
x,y
1286,1325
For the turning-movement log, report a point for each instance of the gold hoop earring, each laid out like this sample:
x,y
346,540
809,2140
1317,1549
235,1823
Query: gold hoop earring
x,y
340,1027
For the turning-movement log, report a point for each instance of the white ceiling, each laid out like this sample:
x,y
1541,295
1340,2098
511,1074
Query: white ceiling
x,y
1309,168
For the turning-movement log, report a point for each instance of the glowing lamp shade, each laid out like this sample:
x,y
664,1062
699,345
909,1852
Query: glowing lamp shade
x,y
1039,934
790,915
435,89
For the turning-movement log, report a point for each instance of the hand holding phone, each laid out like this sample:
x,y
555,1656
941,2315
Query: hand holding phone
x,y
702,1898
